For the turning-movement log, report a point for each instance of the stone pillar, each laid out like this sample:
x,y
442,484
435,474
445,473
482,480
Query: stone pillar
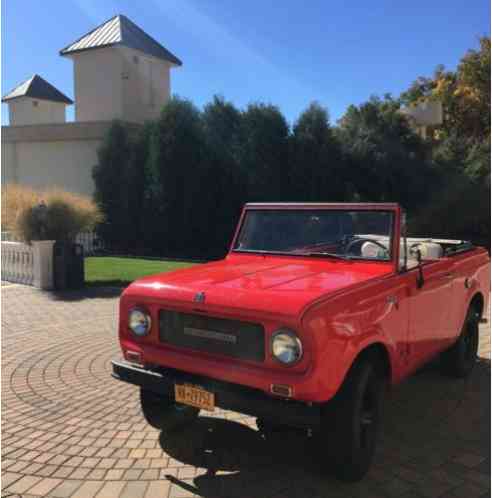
x,y
43,264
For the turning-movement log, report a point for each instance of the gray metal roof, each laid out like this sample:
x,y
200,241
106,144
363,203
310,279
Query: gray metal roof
x,y
37,88
120,31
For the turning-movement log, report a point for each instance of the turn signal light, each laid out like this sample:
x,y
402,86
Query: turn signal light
x,y
134,357
281,390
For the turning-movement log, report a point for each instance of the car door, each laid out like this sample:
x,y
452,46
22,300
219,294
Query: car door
x,y
430,310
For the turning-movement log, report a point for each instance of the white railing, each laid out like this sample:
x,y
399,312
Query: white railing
x,y
9,237
90,242
28,264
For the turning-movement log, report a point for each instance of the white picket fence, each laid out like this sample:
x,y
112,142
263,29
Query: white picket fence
x,y
33,264
28,264
88,240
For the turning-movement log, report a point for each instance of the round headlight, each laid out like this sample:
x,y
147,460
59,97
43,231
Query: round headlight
x,y
286,346
139,322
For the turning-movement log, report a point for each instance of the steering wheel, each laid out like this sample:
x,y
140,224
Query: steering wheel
x,y
359,240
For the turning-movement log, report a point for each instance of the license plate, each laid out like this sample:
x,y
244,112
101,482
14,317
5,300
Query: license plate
x,y
194,396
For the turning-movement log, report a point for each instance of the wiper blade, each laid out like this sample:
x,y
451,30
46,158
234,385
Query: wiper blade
x,y
328,254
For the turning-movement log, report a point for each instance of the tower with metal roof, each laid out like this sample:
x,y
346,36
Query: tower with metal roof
x,y
120,72
35,101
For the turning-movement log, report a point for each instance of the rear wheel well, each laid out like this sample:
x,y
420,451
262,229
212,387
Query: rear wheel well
x,y
477,302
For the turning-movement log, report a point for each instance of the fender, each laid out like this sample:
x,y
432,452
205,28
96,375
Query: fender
x,y
339,340
348,361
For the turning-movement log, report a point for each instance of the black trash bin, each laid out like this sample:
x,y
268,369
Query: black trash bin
x,y
68,265
76,276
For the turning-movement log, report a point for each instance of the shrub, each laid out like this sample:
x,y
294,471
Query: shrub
x,y
460,211
15,199
65,214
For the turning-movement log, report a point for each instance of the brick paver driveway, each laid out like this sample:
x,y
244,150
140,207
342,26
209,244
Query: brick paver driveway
x,y
70,430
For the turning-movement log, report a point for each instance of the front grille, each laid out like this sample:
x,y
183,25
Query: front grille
x,y
233,338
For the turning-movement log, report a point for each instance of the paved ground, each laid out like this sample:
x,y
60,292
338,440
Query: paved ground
x,y
70,430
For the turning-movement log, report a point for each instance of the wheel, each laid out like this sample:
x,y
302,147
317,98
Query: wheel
x,y
460,358
351,422
161,412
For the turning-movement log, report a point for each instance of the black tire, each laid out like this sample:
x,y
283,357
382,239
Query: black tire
x,y
351,422
161,412
460,358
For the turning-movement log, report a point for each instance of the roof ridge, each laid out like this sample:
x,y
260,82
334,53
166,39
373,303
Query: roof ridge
x,y
88,33
124,33
144,33
37,87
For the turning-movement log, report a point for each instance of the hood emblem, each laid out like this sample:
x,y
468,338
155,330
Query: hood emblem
x,y
199,297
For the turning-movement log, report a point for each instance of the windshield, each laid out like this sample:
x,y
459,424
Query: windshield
x,y
324,232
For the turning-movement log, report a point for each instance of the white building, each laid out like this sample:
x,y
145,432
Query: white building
x,y
424,116
120,72
36,101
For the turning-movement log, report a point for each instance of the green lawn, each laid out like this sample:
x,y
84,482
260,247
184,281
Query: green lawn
x,y
121,271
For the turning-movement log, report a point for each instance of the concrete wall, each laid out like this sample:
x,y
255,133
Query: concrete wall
x,y
43,165
26,111
119,83
98,87
146,87
45,156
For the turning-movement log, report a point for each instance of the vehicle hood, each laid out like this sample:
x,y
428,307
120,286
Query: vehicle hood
x,y
268,284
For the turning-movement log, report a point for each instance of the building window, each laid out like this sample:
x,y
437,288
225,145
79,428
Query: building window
x,y
35,103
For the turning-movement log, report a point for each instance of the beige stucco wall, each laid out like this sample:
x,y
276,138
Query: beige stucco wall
x,y
9,160
119,83
146,87
67,165
26,111
98,85
44,156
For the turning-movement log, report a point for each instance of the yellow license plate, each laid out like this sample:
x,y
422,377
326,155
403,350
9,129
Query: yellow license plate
x,y
194,396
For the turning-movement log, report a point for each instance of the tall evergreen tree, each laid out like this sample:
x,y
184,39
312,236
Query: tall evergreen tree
x,y
264,152
387,160
227,185
178,172
112,186
138,181
317,170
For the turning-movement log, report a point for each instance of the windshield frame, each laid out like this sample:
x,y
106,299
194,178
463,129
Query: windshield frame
x,y
392,208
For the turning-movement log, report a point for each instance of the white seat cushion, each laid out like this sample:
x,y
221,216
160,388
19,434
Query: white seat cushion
x,y
430,250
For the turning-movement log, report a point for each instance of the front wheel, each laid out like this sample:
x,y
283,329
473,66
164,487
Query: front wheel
x,y
161,412
351,422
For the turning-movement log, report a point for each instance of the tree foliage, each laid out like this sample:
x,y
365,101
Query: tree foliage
x,y
263,152
179,169
317,166
177,186
228,181
112,178
388,161
465,96
461,145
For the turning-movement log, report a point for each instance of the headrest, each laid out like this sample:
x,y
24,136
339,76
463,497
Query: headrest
x,y
371,250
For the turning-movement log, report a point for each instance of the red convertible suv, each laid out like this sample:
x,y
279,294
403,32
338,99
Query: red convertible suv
x,y
315,310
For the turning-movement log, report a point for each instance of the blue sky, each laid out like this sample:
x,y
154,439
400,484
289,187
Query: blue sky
x,y
288,53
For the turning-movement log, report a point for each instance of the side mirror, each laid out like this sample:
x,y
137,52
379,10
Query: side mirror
x,y
420,277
